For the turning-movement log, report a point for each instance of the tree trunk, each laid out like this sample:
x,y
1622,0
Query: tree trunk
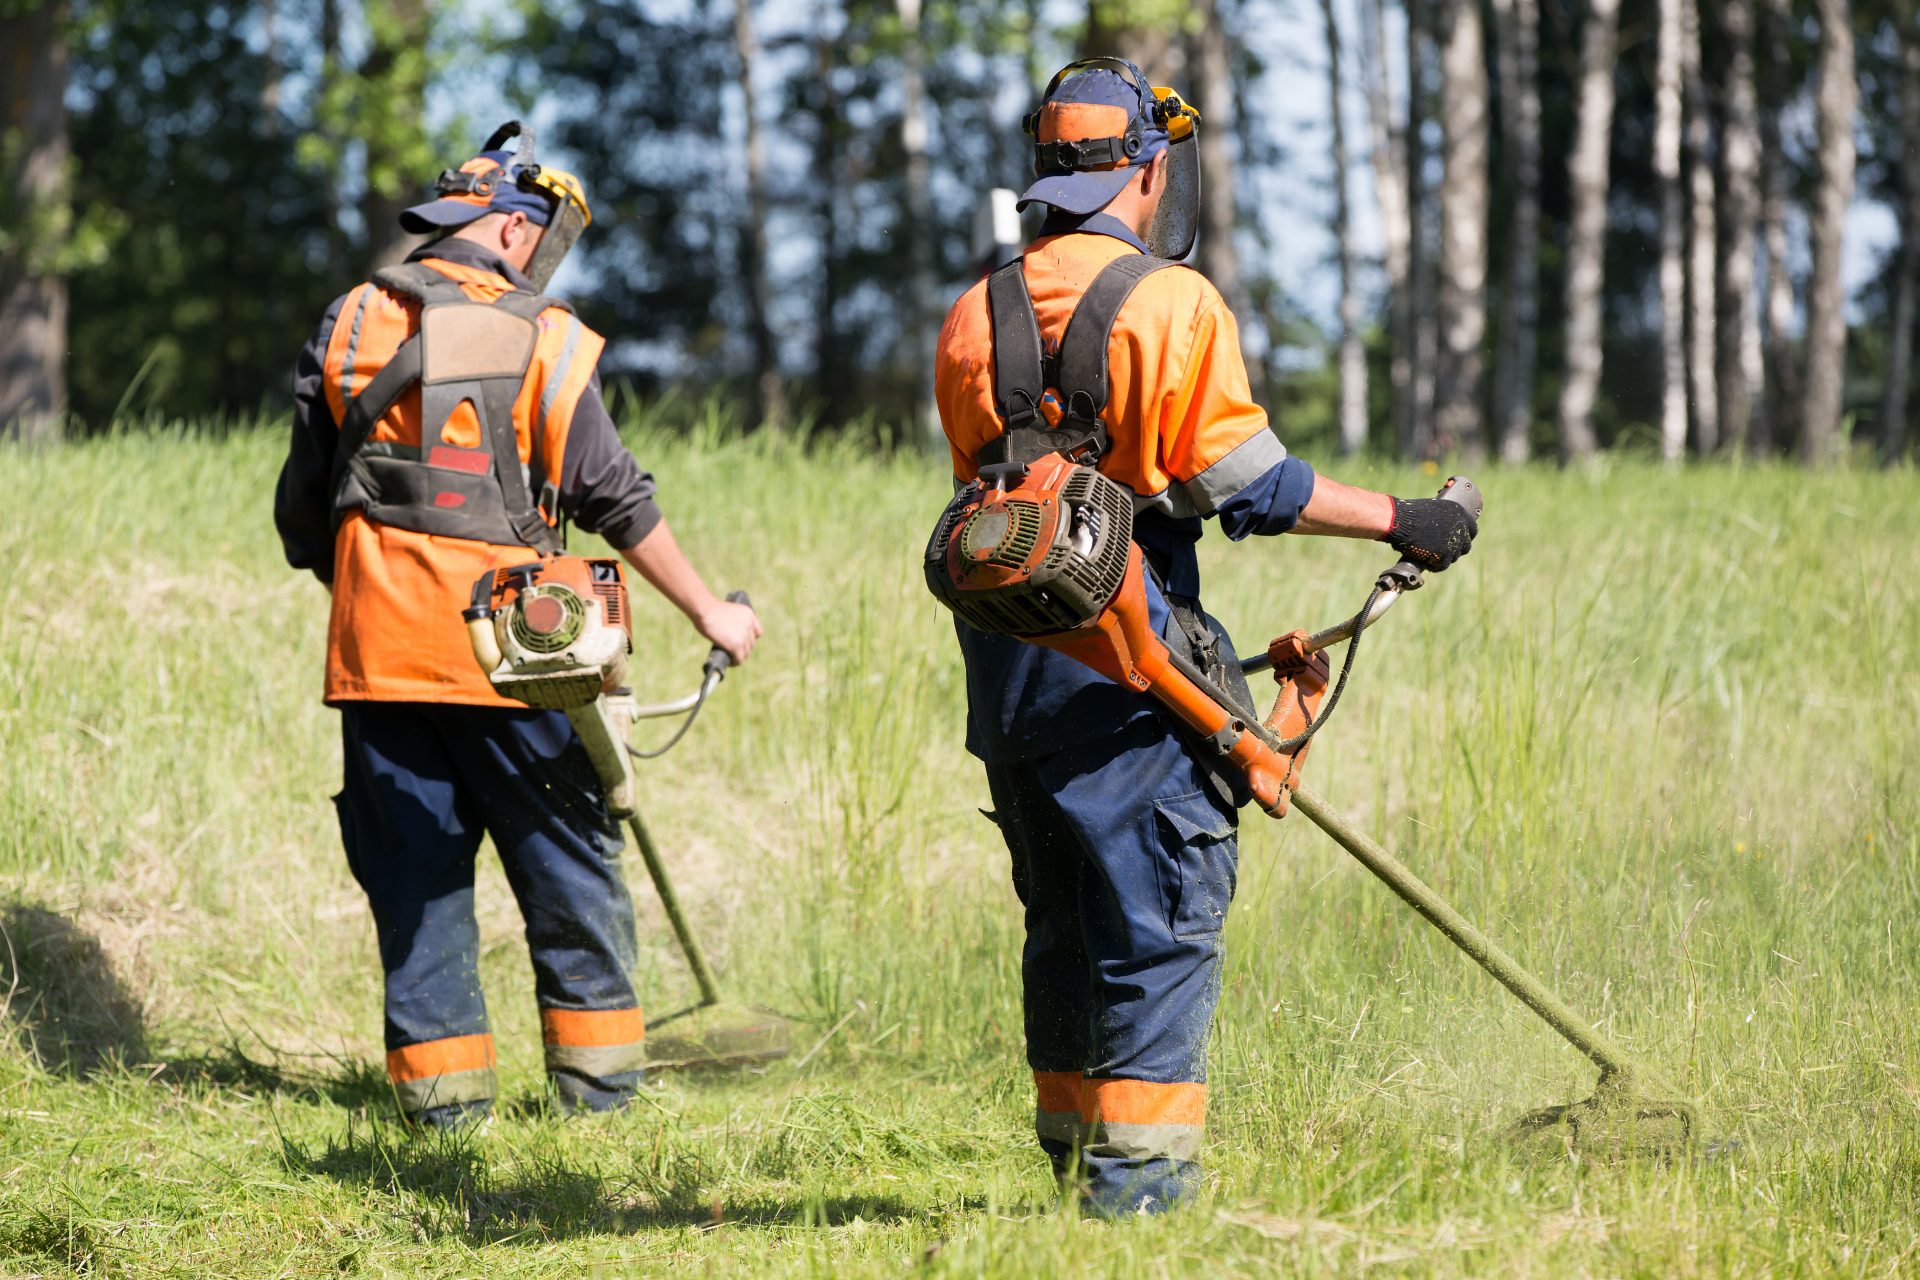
x,y
1587,178
1700,250
1416,427
33,292
1834,103
1673,236
770,389
830,363
1388,149
1465,128
1893,407
1774,412
393,103
1518,28
1738,370
1218,256
921,324
1141,31
1353,360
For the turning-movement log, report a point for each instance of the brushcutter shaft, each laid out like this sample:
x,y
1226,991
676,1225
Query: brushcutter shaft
x,y
670,901
1460,931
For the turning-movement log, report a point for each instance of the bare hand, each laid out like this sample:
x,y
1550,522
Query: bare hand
x,y
734,627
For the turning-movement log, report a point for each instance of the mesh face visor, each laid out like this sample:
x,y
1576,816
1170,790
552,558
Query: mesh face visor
x,y
571,216
1176,222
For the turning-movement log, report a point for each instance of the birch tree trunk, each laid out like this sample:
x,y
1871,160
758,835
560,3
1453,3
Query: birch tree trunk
x,y
1465,130
1388,155
33,292
1416,428
1700,249
1834,103
1353,360
770,389
1218,254
1738,369
831,367
1673,236
1893,407
1587,177
1518,28
920,329
1775,410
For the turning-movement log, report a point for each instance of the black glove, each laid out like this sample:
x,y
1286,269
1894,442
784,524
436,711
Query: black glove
x,y
1431,532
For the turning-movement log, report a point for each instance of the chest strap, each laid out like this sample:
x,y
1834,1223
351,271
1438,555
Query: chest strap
x,y
1078,374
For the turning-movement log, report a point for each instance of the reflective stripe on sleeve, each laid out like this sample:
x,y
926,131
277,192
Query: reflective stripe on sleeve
x,y
1248,461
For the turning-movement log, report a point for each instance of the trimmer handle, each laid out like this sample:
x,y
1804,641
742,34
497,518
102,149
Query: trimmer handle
x,y
1406,575
718,660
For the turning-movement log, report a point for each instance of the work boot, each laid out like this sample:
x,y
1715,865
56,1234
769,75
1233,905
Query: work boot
x,y
1130,1188
576,1093
452,1116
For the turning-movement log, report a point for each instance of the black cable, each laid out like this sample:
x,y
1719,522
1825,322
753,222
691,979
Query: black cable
x,y
1301,739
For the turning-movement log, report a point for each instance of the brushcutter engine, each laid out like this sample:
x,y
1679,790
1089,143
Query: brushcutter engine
x,y
1047,554
555,634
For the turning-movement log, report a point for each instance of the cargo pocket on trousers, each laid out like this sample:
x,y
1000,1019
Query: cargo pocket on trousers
x,y
1202,843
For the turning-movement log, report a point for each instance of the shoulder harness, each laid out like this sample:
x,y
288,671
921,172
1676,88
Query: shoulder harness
x,y
1022,374
465,352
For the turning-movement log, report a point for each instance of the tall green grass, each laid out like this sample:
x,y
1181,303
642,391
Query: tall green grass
x,y
1656,734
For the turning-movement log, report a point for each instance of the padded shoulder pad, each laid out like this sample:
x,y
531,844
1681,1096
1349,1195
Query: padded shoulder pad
x,y
467,340
420,281
1082,381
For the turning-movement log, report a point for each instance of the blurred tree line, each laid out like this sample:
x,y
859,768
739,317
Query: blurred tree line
x,y
1602,222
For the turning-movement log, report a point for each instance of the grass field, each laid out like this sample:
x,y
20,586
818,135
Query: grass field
x,y
1658,734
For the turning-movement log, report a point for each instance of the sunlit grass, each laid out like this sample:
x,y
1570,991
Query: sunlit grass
x,y
1657,735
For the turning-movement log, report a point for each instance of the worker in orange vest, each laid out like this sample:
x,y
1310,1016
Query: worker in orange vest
x,y
447,421
1095,344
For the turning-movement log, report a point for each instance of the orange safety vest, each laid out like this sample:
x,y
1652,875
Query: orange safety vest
x,y
1185,434
449,465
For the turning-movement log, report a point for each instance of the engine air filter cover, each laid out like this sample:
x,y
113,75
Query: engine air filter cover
x,y
1043,556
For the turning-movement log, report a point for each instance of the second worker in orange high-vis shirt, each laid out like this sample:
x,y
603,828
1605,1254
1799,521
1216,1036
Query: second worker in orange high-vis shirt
x,y
414,466
1123,837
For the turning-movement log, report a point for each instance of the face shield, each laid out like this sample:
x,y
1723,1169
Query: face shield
x,y
1176,221
570,217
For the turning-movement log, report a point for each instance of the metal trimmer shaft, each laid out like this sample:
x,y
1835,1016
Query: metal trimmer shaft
x,y
1415,892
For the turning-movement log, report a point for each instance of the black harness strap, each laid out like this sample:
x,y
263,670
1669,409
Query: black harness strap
x,y
1019,373
404,370
1079,373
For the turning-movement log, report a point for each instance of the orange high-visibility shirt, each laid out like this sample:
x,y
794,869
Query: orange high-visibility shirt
x,y
1186,434
395,634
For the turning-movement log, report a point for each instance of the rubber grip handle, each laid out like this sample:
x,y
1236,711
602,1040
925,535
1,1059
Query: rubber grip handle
x,y
1406,575
718,659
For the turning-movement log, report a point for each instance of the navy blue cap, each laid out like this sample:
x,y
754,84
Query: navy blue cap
x,y
457,210
1096,103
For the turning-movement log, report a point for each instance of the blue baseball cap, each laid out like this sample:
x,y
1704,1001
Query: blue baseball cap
x,y
1091,135
488,183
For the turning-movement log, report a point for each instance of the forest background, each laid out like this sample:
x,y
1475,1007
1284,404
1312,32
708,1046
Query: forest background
x,y
1560,226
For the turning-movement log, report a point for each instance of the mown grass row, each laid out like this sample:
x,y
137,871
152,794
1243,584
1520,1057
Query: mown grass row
x,y
1656,734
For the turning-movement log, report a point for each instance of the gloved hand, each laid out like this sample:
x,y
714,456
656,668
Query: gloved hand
x,y
1431,532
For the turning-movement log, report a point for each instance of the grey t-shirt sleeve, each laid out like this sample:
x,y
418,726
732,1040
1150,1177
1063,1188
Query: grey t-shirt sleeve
x,y
303,500
602,488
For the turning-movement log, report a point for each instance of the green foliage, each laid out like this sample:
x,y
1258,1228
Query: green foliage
x,y
1604,736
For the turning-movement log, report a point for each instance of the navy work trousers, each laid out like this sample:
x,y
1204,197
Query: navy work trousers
x,y
1125,856
424,782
